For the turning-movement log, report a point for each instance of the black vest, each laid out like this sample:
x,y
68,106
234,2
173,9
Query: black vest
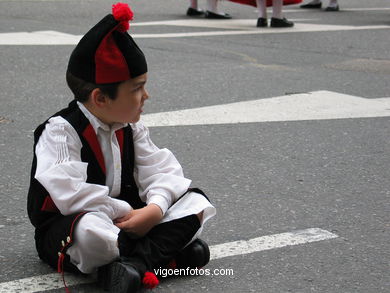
x,y
41,208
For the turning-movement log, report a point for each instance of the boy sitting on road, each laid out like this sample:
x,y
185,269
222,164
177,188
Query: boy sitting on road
x,y
102,196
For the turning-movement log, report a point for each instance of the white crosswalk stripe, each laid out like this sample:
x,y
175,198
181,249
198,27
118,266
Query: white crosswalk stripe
x,y
318,105
226,28
54,281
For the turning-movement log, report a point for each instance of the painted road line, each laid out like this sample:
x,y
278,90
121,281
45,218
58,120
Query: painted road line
x,y
300,10
319,105
298,28
269,242
238,24
39,38
43,283
59,38
242,247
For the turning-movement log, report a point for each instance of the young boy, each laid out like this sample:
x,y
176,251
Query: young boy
x,y
102,196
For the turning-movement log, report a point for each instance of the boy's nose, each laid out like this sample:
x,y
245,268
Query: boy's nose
x,y
146,95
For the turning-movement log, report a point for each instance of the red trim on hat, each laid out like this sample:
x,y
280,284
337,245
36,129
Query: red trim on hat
x,y
111,65
90,135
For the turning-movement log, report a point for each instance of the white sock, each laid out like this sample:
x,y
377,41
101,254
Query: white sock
x,y
277,8
194,4
212,6
262,8
332,3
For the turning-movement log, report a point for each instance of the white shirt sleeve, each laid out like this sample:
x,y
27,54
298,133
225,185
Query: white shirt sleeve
x,y
159,175
63,174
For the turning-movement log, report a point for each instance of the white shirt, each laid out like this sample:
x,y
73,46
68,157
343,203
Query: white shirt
x,y
60,170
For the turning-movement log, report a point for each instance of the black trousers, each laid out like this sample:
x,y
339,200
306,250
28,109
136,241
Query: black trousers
x,y
155,249
160,245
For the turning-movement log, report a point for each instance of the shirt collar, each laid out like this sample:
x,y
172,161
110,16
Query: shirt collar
x,y
97,123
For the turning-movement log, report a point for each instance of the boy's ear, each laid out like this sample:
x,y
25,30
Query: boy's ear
x,y
98,98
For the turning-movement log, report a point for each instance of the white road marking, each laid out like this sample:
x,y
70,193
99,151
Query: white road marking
x,y
269,242
341,8
39,38
43,283
317,105
54,281
241,24
241,27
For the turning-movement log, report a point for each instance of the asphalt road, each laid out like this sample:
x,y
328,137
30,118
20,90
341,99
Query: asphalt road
x,y
264,178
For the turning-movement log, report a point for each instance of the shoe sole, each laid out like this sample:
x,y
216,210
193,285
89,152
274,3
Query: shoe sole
x,y
279,26
118,278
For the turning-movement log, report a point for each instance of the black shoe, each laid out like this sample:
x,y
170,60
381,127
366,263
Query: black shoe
x,y
311,6
195,255
213,15
262,22
119,277
281,22
194,12
332,8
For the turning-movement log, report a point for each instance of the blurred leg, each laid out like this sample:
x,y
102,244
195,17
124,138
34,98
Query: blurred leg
x,y
194,4
212,6
262,8
277,6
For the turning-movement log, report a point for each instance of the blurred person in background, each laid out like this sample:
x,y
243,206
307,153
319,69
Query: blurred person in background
x,y
212,11
317,4
277,20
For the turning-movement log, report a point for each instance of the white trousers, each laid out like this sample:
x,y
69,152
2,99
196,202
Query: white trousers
x,y
96,235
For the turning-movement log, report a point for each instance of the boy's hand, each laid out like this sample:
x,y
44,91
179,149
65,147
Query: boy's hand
x,y
140,221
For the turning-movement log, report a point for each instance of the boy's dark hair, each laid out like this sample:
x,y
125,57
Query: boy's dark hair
x,y
82,89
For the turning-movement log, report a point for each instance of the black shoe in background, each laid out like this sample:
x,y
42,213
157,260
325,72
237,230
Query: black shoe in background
x,y
212,15
194,12
262,22
281,22
311,6
332,8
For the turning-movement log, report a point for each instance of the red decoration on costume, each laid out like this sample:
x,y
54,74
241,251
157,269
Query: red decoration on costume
x,y
150,280
49,205
172,265
120,138
60,263
123,13
90,135
269,2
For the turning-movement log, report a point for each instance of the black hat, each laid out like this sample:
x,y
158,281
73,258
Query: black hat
x,y
107,53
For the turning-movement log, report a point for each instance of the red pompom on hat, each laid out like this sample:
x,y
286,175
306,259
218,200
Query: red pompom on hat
x,y
150,280
107,53
123,14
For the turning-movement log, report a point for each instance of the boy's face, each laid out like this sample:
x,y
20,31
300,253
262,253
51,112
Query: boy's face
x,y
127,107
